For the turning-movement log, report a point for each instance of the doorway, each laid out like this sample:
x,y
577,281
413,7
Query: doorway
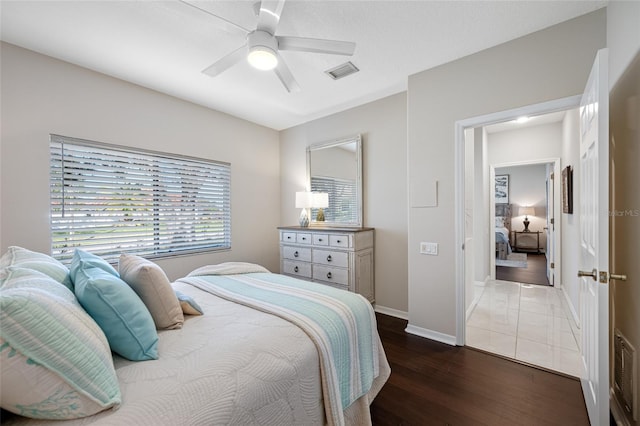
x,y
525,227
531,323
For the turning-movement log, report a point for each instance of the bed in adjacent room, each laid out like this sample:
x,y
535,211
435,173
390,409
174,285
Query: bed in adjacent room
x,y
268,350
503,230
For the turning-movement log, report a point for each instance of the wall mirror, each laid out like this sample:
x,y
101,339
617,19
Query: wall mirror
x,y
336,168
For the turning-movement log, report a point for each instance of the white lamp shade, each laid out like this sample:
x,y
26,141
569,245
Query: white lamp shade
x,y
304,200
320,200
526,211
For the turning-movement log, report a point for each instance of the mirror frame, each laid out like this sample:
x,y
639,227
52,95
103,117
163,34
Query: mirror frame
x,y
330,144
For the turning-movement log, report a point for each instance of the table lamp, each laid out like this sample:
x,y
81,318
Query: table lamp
x,y
304,200
526,211
320,201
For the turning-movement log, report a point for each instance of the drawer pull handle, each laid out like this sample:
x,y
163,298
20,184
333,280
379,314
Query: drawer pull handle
x,y
289,237
329,258
304,238
329,275
338,241
295,269
319,239
295,254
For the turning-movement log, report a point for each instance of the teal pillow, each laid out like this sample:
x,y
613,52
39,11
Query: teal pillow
x,y
24,258
119,312
188,305
84,259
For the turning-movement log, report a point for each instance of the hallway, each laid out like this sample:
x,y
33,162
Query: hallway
x,y
529,323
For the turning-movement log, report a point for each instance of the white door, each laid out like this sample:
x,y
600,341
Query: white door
x,y
594,240
550,228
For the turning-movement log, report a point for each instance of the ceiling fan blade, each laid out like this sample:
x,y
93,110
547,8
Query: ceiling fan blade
x,y
226,62
284,74
226,21
269,15
315,45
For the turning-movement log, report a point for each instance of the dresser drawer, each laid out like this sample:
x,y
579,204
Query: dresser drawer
x,y
320,239
339,240
331,275
299,269
289,237
296,253
333,258
303,238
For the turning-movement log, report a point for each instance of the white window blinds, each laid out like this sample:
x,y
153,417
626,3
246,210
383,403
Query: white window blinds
x,y
342,198
110,200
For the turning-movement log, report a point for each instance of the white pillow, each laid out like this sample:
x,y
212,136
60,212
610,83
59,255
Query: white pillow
x,y
24,258
56,362
32,390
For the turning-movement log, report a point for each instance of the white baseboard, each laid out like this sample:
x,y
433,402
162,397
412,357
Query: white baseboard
x,y
391,312
574,314
430,334
476,299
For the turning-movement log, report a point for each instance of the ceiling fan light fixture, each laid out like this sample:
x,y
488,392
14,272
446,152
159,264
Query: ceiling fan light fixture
x,y
262,58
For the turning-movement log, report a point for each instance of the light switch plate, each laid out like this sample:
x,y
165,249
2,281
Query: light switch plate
x,y
429,248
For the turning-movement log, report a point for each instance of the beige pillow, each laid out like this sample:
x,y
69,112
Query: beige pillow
x,y
151,284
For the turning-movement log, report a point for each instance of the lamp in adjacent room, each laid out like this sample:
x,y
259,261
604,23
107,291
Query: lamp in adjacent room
x,y
526,211
304,200
320,201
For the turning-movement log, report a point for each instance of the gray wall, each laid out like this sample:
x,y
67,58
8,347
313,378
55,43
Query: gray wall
x,y
383,125
623,37
550,64
41,95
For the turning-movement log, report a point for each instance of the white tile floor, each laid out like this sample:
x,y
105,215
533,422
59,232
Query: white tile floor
x,y
526,322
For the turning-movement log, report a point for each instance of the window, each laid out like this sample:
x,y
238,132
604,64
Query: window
x,y
342,198
110,200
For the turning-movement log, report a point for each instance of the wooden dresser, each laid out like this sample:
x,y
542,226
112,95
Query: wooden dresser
x,y
339,257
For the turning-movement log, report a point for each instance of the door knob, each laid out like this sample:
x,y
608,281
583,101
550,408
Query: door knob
x,y
618,277
593,274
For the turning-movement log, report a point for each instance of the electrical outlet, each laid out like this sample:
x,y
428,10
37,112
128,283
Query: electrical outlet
x,y
429,248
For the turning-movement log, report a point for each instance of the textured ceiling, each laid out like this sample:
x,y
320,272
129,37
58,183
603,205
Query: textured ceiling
x,y
165,45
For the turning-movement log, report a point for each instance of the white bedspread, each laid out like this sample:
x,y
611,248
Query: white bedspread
x,y
233,365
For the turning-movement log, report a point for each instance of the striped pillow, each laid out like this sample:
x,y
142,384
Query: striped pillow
x,y
18,256
55,360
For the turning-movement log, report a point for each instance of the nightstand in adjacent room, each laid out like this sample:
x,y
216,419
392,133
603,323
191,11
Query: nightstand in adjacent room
x,y
526,241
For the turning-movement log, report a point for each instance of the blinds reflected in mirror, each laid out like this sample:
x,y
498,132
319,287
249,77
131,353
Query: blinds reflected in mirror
x,y
343,206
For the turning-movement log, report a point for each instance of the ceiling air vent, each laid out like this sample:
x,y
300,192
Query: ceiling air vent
x,y
342,71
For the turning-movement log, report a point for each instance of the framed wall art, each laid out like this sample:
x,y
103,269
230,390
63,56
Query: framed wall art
x,y
502,189
567,190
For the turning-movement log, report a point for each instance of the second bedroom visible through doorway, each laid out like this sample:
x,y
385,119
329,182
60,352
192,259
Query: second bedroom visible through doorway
x,y
525,233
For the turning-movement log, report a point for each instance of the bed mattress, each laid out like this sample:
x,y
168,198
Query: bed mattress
x,y
233,365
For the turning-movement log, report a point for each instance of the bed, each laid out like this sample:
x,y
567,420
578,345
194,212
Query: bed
x,y
503,230
251,360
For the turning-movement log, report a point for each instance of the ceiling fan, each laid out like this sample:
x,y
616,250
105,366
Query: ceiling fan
x,y
263,46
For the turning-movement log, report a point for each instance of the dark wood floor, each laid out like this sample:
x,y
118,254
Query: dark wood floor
x,y
534,273
433,383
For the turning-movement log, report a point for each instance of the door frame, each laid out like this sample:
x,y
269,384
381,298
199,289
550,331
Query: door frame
x,y
459,171
492,223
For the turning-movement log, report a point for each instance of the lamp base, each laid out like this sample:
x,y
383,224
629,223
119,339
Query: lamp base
x,y
320,215
304,218
526,224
